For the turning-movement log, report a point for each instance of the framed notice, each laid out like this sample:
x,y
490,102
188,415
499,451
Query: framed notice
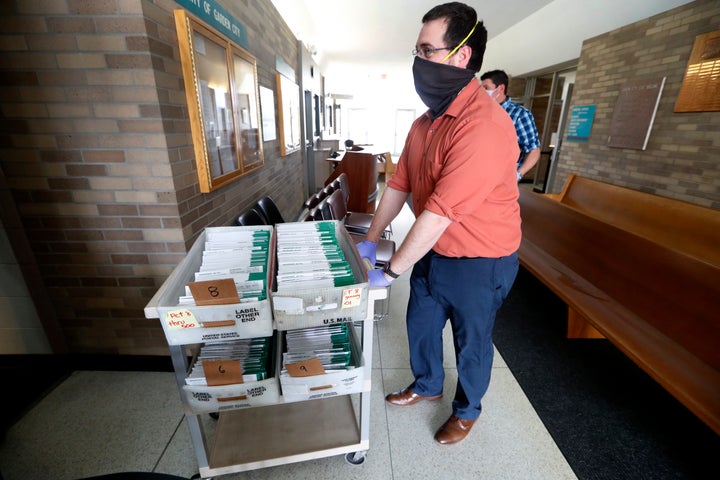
x,y
634,113
222,94
288,114
267,109
700,91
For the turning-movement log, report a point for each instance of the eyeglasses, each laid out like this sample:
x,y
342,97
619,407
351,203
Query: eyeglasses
x,y
427,52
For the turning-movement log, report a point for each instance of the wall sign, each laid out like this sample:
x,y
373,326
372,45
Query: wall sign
x,y
634,113
580,123
212,13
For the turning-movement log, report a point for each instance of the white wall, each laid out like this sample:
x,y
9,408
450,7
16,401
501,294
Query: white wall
x,y
554,34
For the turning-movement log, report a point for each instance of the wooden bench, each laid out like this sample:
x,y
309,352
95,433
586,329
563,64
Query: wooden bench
x,y
642,271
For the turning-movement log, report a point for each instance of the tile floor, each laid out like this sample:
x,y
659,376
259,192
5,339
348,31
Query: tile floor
x,y
97,423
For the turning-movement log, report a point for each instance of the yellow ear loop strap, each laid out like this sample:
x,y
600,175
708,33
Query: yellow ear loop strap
x,y
460,44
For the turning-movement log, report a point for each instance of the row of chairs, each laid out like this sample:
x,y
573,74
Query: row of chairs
x,y
333,207
328,204
355,222
264,212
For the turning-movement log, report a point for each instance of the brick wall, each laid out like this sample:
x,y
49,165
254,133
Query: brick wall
x,y
682,159
96,150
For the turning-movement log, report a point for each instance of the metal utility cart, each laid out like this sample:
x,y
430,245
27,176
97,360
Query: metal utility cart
x,y
286,430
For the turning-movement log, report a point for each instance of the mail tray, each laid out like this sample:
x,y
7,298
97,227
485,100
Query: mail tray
x,y
330,384
249,393
187,324
310,307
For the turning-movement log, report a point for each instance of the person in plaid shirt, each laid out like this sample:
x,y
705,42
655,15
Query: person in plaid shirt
x,y
495,83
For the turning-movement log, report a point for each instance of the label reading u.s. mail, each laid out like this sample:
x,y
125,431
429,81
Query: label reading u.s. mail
x,y
181,319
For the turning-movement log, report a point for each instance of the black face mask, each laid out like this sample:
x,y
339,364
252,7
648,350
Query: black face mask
x,y
438,84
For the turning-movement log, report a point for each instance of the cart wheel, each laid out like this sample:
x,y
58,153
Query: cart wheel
x,y
214,415
356,458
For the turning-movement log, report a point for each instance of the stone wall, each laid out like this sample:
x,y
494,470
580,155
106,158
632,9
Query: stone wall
x,y
682,159
97,154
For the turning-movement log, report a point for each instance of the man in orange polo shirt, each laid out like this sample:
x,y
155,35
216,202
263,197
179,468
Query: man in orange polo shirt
x,y
459,165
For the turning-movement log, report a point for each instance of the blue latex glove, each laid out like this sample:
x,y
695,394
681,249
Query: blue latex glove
x,y
368,249
377,278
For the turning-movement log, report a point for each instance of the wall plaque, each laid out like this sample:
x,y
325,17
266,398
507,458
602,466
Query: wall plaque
x,y
634,113
700,91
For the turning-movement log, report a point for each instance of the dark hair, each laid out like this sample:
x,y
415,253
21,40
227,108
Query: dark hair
x,y
460,20
498,77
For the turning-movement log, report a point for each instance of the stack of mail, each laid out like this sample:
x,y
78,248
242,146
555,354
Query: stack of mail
x,y
253,354
239,254
309,255
330,344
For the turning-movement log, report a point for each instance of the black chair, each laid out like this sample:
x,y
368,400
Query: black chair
x,y
333,208
269,209
356,222
312,201
329,188
316,214
251,217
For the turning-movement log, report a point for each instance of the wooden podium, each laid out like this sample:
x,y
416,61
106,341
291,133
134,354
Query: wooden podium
x,y
362,171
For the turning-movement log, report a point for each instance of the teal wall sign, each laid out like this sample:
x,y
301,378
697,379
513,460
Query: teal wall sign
x,y
215,15
282,67
580,124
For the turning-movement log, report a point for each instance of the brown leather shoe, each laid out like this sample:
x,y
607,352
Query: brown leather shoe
x,y
454,430
406,397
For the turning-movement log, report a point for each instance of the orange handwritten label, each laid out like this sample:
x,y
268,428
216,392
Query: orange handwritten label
x,y
306,368
214,292
222,372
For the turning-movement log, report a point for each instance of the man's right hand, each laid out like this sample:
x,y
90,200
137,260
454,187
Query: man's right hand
x,y
377,278
368,249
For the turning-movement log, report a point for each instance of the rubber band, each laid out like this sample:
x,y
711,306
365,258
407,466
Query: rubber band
x,y
452,52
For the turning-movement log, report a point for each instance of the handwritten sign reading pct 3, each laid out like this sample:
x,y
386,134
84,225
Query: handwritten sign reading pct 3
x,y
351,297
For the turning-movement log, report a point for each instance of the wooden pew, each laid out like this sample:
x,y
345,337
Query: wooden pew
x,y
655,295
682,226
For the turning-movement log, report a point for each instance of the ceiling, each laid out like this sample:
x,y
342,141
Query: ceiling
x,y
524,35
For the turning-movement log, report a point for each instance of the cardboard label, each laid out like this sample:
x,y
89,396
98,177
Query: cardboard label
x,y
351,297
214,292
181,319
222,372
306,368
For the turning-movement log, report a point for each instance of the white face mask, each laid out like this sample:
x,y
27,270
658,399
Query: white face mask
x,y
491,92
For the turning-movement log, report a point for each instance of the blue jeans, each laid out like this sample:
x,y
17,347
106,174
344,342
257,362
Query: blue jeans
x,y
468,292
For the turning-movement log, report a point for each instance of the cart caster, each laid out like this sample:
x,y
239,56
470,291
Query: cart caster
x,y
214,415
356,458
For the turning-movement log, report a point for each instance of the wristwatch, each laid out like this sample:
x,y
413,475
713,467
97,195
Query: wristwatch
x,y
388,272
519,175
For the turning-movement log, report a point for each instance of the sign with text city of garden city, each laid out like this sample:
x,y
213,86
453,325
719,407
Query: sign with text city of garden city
x,y
212,13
